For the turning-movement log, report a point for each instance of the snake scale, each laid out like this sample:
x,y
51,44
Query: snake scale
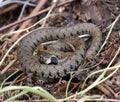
x,y
50,72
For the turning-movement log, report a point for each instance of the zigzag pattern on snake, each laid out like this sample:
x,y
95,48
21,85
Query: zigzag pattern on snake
x,y
49,72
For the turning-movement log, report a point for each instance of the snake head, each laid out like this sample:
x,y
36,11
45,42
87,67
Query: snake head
x,y
52,60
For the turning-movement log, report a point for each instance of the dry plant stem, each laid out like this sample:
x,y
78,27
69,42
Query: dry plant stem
x,y
11,49
8,2
8,77
21,14
15,45
9,34
30,17
96,64
93,85
18,31
53,5
1,53
105,89
118,63
117,53
100,79
110,90
9,8
25,24
8,66
113,24
17,81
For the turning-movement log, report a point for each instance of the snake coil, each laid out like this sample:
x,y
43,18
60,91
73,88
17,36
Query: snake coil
x,y
49,72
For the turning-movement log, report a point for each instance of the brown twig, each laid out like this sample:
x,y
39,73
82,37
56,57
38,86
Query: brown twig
x,y
8,8
25,24
8,66
53,5
30,17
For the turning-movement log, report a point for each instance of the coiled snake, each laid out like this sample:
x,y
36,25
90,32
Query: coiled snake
x,y
46,72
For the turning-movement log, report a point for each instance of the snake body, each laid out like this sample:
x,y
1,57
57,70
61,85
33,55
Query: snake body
x,y
59,51
49,72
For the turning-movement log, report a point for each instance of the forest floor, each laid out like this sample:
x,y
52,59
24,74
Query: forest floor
x,y
103,13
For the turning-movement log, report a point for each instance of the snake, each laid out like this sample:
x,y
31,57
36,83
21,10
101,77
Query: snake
x,y
49,73
58,51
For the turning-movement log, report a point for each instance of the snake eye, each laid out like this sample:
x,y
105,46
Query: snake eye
x,y
54,60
